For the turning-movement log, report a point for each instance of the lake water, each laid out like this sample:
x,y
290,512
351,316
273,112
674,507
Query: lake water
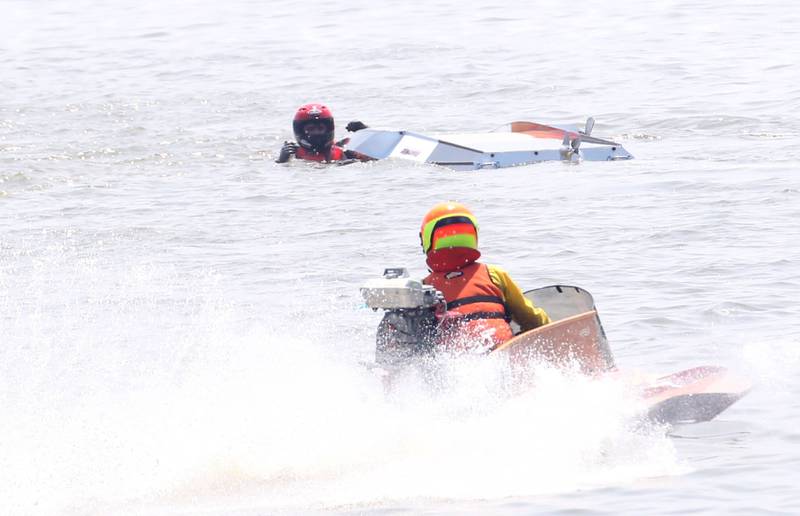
x,y
181,330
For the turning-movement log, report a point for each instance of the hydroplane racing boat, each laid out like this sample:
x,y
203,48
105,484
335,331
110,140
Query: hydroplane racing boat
x,y
575,336
517,143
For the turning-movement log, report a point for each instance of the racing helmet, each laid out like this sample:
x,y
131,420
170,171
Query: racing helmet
x,y
320,118
449,236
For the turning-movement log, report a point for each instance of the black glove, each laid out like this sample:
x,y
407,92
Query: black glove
x,y
288,149
355,126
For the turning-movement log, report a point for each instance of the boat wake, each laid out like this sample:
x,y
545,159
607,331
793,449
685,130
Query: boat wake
x,y
297,430
230,418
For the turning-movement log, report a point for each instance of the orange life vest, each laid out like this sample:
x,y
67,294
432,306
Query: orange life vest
x,y
476,311
335,153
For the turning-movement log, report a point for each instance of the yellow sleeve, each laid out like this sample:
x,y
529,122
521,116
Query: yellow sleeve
x,y
522,310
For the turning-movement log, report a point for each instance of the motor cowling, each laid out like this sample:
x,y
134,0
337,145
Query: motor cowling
x,y
408,328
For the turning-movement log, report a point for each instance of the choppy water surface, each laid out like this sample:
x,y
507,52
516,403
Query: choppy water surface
x,y
181,326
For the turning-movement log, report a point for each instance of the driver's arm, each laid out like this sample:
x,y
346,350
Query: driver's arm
x,y
522,310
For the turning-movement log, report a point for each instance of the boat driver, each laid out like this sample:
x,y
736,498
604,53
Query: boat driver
x,y
481,299
314,131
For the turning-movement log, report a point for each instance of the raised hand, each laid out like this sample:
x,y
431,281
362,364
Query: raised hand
x,y
287,151
355,126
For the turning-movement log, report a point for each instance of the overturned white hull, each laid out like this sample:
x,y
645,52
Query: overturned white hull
x,y
524,143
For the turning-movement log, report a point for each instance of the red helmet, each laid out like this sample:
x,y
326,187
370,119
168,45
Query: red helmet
x,y
314,114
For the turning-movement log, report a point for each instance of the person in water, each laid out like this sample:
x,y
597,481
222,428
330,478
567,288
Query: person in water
x,y
314,131
481,299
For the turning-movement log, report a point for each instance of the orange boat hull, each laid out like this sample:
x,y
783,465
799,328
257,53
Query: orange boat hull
x,y
575,340
693,395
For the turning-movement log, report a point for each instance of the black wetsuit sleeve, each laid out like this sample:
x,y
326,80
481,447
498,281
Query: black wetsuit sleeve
x,y
350,154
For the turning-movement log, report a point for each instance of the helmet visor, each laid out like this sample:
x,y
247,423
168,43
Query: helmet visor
x,y
450,231
315,127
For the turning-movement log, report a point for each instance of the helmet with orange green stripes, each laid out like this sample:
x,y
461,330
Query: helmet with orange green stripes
x,y
449,236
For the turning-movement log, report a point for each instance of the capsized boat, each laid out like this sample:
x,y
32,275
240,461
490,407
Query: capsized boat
x,y
514,144
574,339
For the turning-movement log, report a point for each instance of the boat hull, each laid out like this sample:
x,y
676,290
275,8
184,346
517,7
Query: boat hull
x,y
521,145
694,395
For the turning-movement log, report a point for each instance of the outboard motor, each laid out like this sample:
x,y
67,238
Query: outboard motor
x,y
408,327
